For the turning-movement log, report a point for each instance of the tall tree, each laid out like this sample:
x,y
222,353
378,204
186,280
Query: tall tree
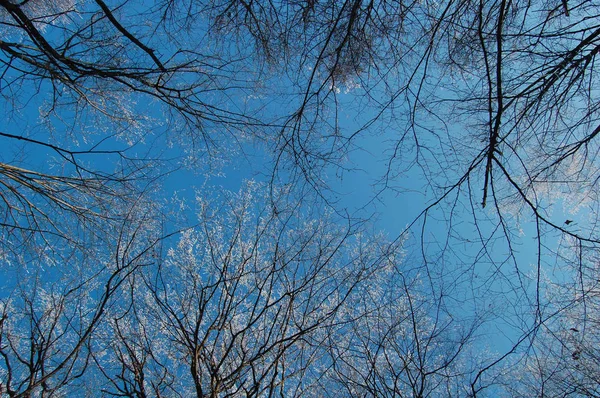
x,y
492,105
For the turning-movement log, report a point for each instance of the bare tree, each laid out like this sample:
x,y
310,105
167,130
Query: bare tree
x,y
51,312
253,302
239,307
92,104
399,341
491,104
564,359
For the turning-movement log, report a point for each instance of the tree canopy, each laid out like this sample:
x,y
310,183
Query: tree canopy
x,y
127,270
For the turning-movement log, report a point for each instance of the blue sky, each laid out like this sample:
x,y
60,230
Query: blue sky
x,y
457,246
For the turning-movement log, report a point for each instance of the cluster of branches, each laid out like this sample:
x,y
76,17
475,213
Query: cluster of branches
x,y
54,302
492,104
249,302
